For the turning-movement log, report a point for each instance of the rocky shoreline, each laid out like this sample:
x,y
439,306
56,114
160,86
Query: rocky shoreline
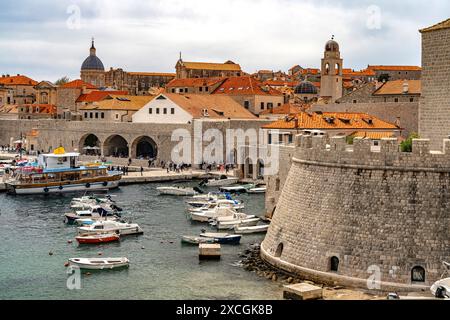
x,y
252,262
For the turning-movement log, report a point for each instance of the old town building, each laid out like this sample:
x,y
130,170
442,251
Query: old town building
x,y
186,69
396,72
194,85
92,69
331,81
21,89
136,83
67,96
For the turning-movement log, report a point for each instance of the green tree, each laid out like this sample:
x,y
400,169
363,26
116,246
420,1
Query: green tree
x,y
62,81
384,77
406,146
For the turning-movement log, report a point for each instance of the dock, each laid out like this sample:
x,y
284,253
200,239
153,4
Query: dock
x,y
302,291
208,251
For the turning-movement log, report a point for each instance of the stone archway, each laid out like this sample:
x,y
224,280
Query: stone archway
x,y
116,146
90,144
144,147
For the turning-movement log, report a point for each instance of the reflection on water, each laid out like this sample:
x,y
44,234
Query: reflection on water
x,y
161,268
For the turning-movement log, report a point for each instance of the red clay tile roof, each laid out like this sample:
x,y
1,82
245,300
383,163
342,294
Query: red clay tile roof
x,y
95,96
376,135
18,80
336,120
395,87
43,108
194,82
227,66
353,73
394,68
219,107
161,74
78,84
281,83
245,86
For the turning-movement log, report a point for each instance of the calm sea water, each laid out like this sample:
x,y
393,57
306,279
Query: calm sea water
x,y
161,268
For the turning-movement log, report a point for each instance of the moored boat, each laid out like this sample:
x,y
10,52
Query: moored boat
x,y
195,240
178,191
228,225
99,263
222,181
222,238
95,213
255,229
238,188
257,190
112,226
97,238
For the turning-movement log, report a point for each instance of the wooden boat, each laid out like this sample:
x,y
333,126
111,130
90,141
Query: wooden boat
x,y
97,238
195,240
228,225
99,263
58,172
255,229
237,188
177,191
112,226
222,181
222,238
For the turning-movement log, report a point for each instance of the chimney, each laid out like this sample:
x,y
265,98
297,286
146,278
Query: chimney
x,y
405,87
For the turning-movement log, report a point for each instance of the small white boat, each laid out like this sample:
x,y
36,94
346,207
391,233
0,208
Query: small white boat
x,y
213,205
196,240
257,190
177,191
221,181
217,213
99,263
228,225
238,188
112,226
255,229
441,288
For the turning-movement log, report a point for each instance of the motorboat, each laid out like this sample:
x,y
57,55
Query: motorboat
x,y
255,229
216,214
97,238
112,226
238,188
209,206
441,288
95,213
222,238
201,200
231,224
257,190
196,240
222,181
99,263
178,191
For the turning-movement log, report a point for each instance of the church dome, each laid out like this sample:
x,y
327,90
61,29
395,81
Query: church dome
x,y
92,62
332,46
305,87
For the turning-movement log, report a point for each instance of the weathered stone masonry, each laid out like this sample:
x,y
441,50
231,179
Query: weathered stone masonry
x,y
387,208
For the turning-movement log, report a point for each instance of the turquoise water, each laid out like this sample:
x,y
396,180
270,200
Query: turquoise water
x,y
161,268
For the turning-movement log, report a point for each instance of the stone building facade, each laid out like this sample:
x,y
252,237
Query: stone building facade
x,y
136,83
434,110
186,69
348,211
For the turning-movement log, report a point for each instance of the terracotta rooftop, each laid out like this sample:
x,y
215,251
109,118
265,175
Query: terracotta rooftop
x,y
332,120
281,83
120,102
439,26
98,95
219,107
245,86
18,80
78,84
353,73
43,108
212,66
376,135
287,108
194,82
395,87
9,108
394,68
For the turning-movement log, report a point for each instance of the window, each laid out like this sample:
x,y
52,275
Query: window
x,y
411,99
279,251
201,89
396,100
279,104
186,90
103,115
173,90
280,138
270,105
269,138
262,105
117,116
157,110
418,274
91,115
334,264
354,101
96,115
290,138
172,111
85,114
206,89
181,90
150,110
165,110
277,184
246,104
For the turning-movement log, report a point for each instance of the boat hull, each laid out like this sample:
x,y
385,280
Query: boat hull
x,y
63,188
105,266
97,240
222,183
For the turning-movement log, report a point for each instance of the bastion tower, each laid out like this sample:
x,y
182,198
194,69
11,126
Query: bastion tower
x,y
331,72
92,69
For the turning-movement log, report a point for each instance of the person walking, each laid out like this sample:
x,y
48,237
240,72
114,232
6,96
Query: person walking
x,y
142,171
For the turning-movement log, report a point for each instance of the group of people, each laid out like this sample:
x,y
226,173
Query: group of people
x,y
208,167
123,169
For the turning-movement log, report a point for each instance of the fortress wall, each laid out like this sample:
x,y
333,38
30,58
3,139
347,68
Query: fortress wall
x,y
386,209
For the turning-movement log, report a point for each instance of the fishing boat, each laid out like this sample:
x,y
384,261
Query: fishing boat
x,y
221,181
255,229
238,188
231,224
196,240
99,263
178,191
97,238
112,226
222,238
59,172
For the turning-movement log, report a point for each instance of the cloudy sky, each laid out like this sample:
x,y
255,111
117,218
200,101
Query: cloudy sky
x,y
49,39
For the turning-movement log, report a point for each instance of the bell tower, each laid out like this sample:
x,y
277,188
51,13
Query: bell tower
x,y
331,74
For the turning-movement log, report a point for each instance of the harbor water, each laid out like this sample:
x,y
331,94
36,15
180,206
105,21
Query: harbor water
x,y
34,246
